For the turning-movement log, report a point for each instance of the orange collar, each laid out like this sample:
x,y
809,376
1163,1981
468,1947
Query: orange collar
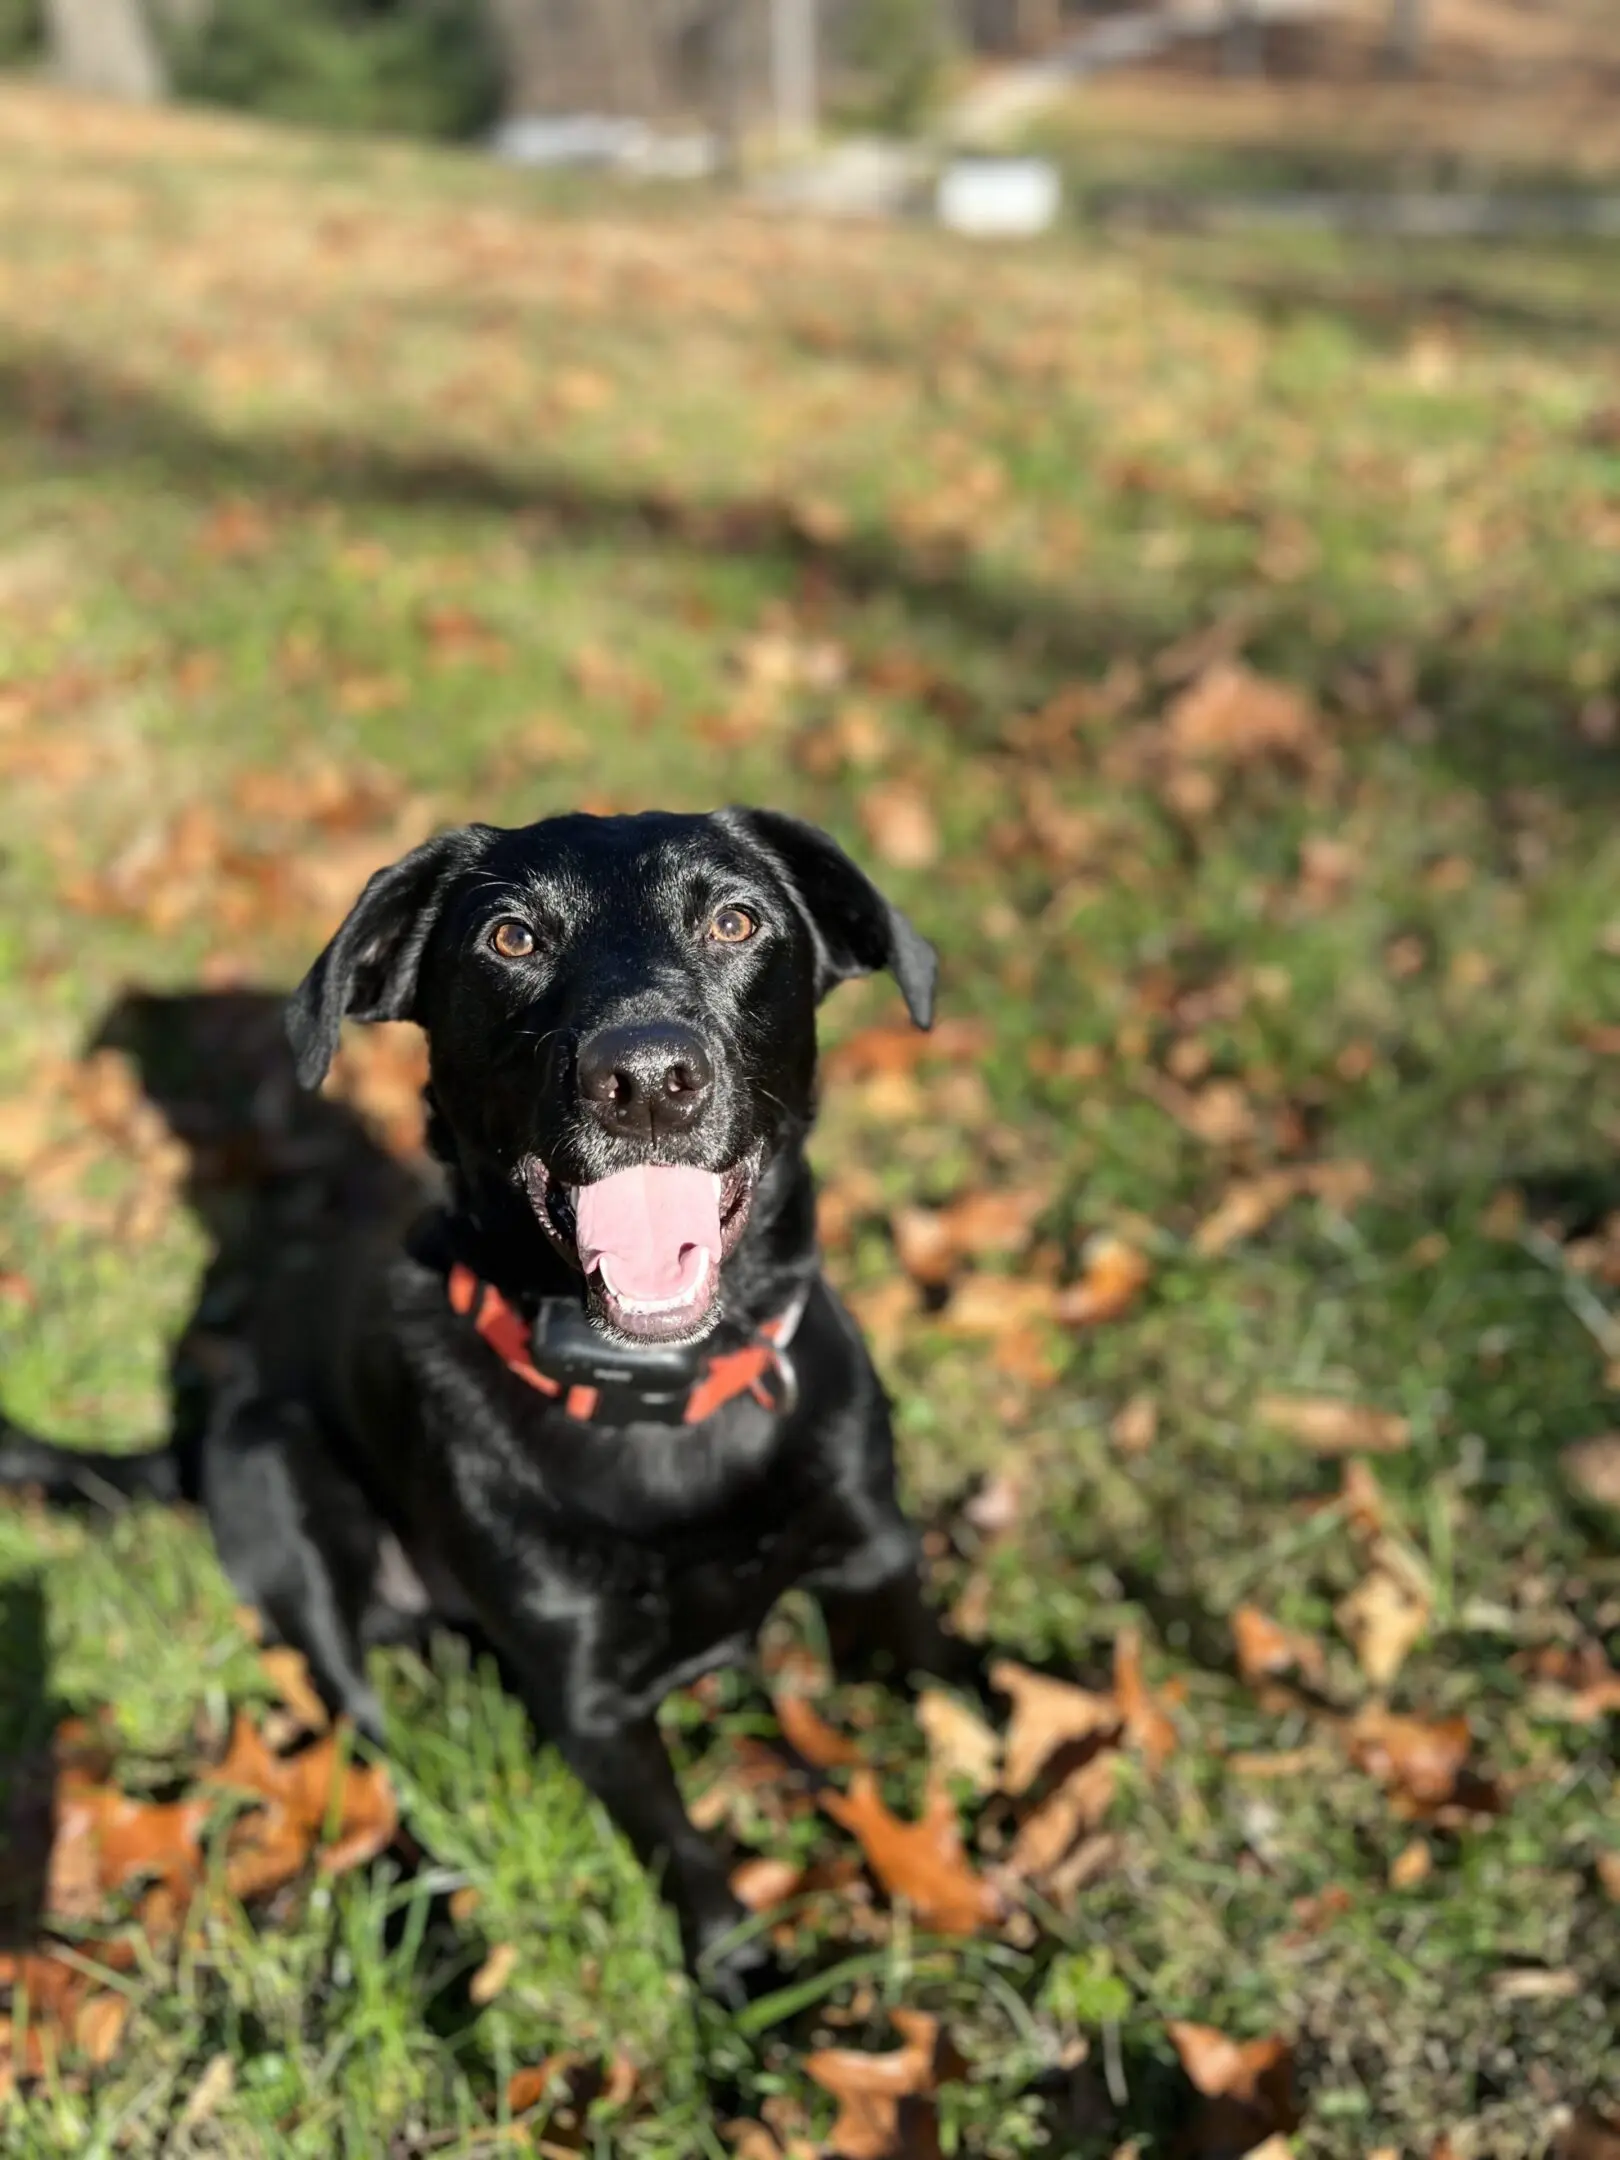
x,y
600,1385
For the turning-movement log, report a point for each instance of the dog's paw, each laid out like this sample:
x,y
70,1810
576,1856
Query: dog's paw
x,y
734,1963
742,1976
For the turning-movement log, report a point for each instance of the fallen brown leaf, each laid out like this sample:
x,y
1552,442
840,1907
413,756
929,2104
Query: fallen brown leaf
x,y
1147,1727
933,1242
1329,1426
1412,1865
288,1673
1382,1619
1425,1764
1135,1426
810,1736
1247,2087
1219,1113
212,2090
1251,1203
1265,1647
1048,1839
1361,1498
898,1047
998,1304
763,1883
960,1743
899,821
751,2140
527,2087
492,1976
885,2102
300,1792
1608,1873
1232,716
1047,1715
1112,1277
922,1861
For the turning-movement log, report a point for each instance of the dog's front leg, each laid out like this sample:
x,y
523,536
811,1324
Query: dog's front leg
x,y
879,1619
629,1771
614,1747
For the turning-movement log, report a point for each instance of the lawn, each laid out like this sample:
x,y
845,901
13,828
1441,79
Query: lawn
x,y
1216,651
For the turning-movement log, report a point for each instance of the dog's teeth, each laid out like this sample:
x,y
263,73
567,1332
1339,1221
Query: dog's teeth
x,y
682,1298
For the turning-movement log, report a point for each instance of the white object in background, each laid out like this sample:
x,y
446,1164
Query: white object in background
x,y
999,198
793,71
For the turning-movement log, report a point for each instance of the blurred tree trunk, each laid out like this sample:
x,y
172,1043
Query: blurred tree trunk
x,y
579,55
794,58
726,85
105,46
1240,42
1408,33
533,62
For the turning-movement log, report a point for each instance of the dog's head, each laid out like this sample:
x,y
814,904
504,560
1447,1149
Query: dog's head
x,y
620,1016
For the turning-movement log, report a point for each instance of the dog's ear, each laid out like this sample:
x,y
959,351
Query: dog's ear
x,y
856,930
369,970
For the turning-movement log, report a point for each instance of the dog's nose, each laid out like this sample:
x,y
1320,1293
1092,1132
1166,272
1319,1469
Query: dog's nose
x,y
638,1081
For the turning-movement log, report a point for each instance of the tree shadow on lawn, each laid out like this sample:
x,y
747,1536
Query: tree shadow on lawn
x,y
1488,713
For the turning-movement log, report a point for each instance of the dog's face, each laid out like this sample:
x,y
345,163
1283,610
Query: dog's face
x,y
621,1020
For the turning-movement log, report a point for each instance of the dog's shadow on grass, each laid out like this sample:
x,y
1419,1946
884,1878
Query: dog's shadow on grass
x,y
271,1168
28,1720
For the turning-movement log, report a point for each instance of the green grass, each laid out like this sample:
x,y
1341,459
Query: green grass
x,y
271,410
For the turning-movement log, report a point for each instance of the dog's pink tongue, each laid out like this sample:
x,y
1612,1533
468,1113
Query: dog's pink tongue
x,y
651,1226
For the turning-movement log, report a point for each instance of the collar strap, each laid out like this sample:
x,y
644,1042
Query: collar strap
x,y
562,1358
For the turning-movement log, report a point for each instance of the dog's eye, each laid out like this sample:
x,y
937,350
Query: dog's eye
x,y
732,926
513,940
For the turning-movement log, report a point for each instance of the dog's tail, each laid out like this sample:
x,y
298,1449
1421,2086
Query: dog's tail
x,y
71,1476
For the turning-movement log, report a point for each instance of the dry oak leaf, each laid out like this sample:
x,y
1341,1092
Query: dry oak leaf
x,y
885,2102
1147,1727
810,1736
960,1743
492,1976
923,1861
1247,2085
1112,1277
1232,716
288,1673
1412,1865
1266,1648
1251,1203
1361,1498
933,1242
301,1793
1055,1832
1047,1715
997,1304
1328,1425
897,1047
1423,1763
899,821
568,2084
104,1840
763,1883
1382,1619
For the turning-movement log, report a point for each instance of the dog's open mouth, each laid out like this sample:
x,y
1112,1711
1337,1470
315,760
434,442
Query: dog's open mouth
x,y
650,1242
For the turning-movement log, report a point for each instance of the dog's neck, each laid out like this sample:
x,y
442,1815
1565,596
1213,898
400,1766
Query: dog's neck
x,y
492,1228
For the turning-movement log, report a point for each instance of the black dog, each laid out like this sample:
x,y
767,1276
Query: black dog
x,y
603,1404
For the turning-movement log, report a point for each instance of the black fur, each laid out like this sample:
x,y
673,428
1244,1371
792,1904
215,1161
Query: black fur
x,y
368,1463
